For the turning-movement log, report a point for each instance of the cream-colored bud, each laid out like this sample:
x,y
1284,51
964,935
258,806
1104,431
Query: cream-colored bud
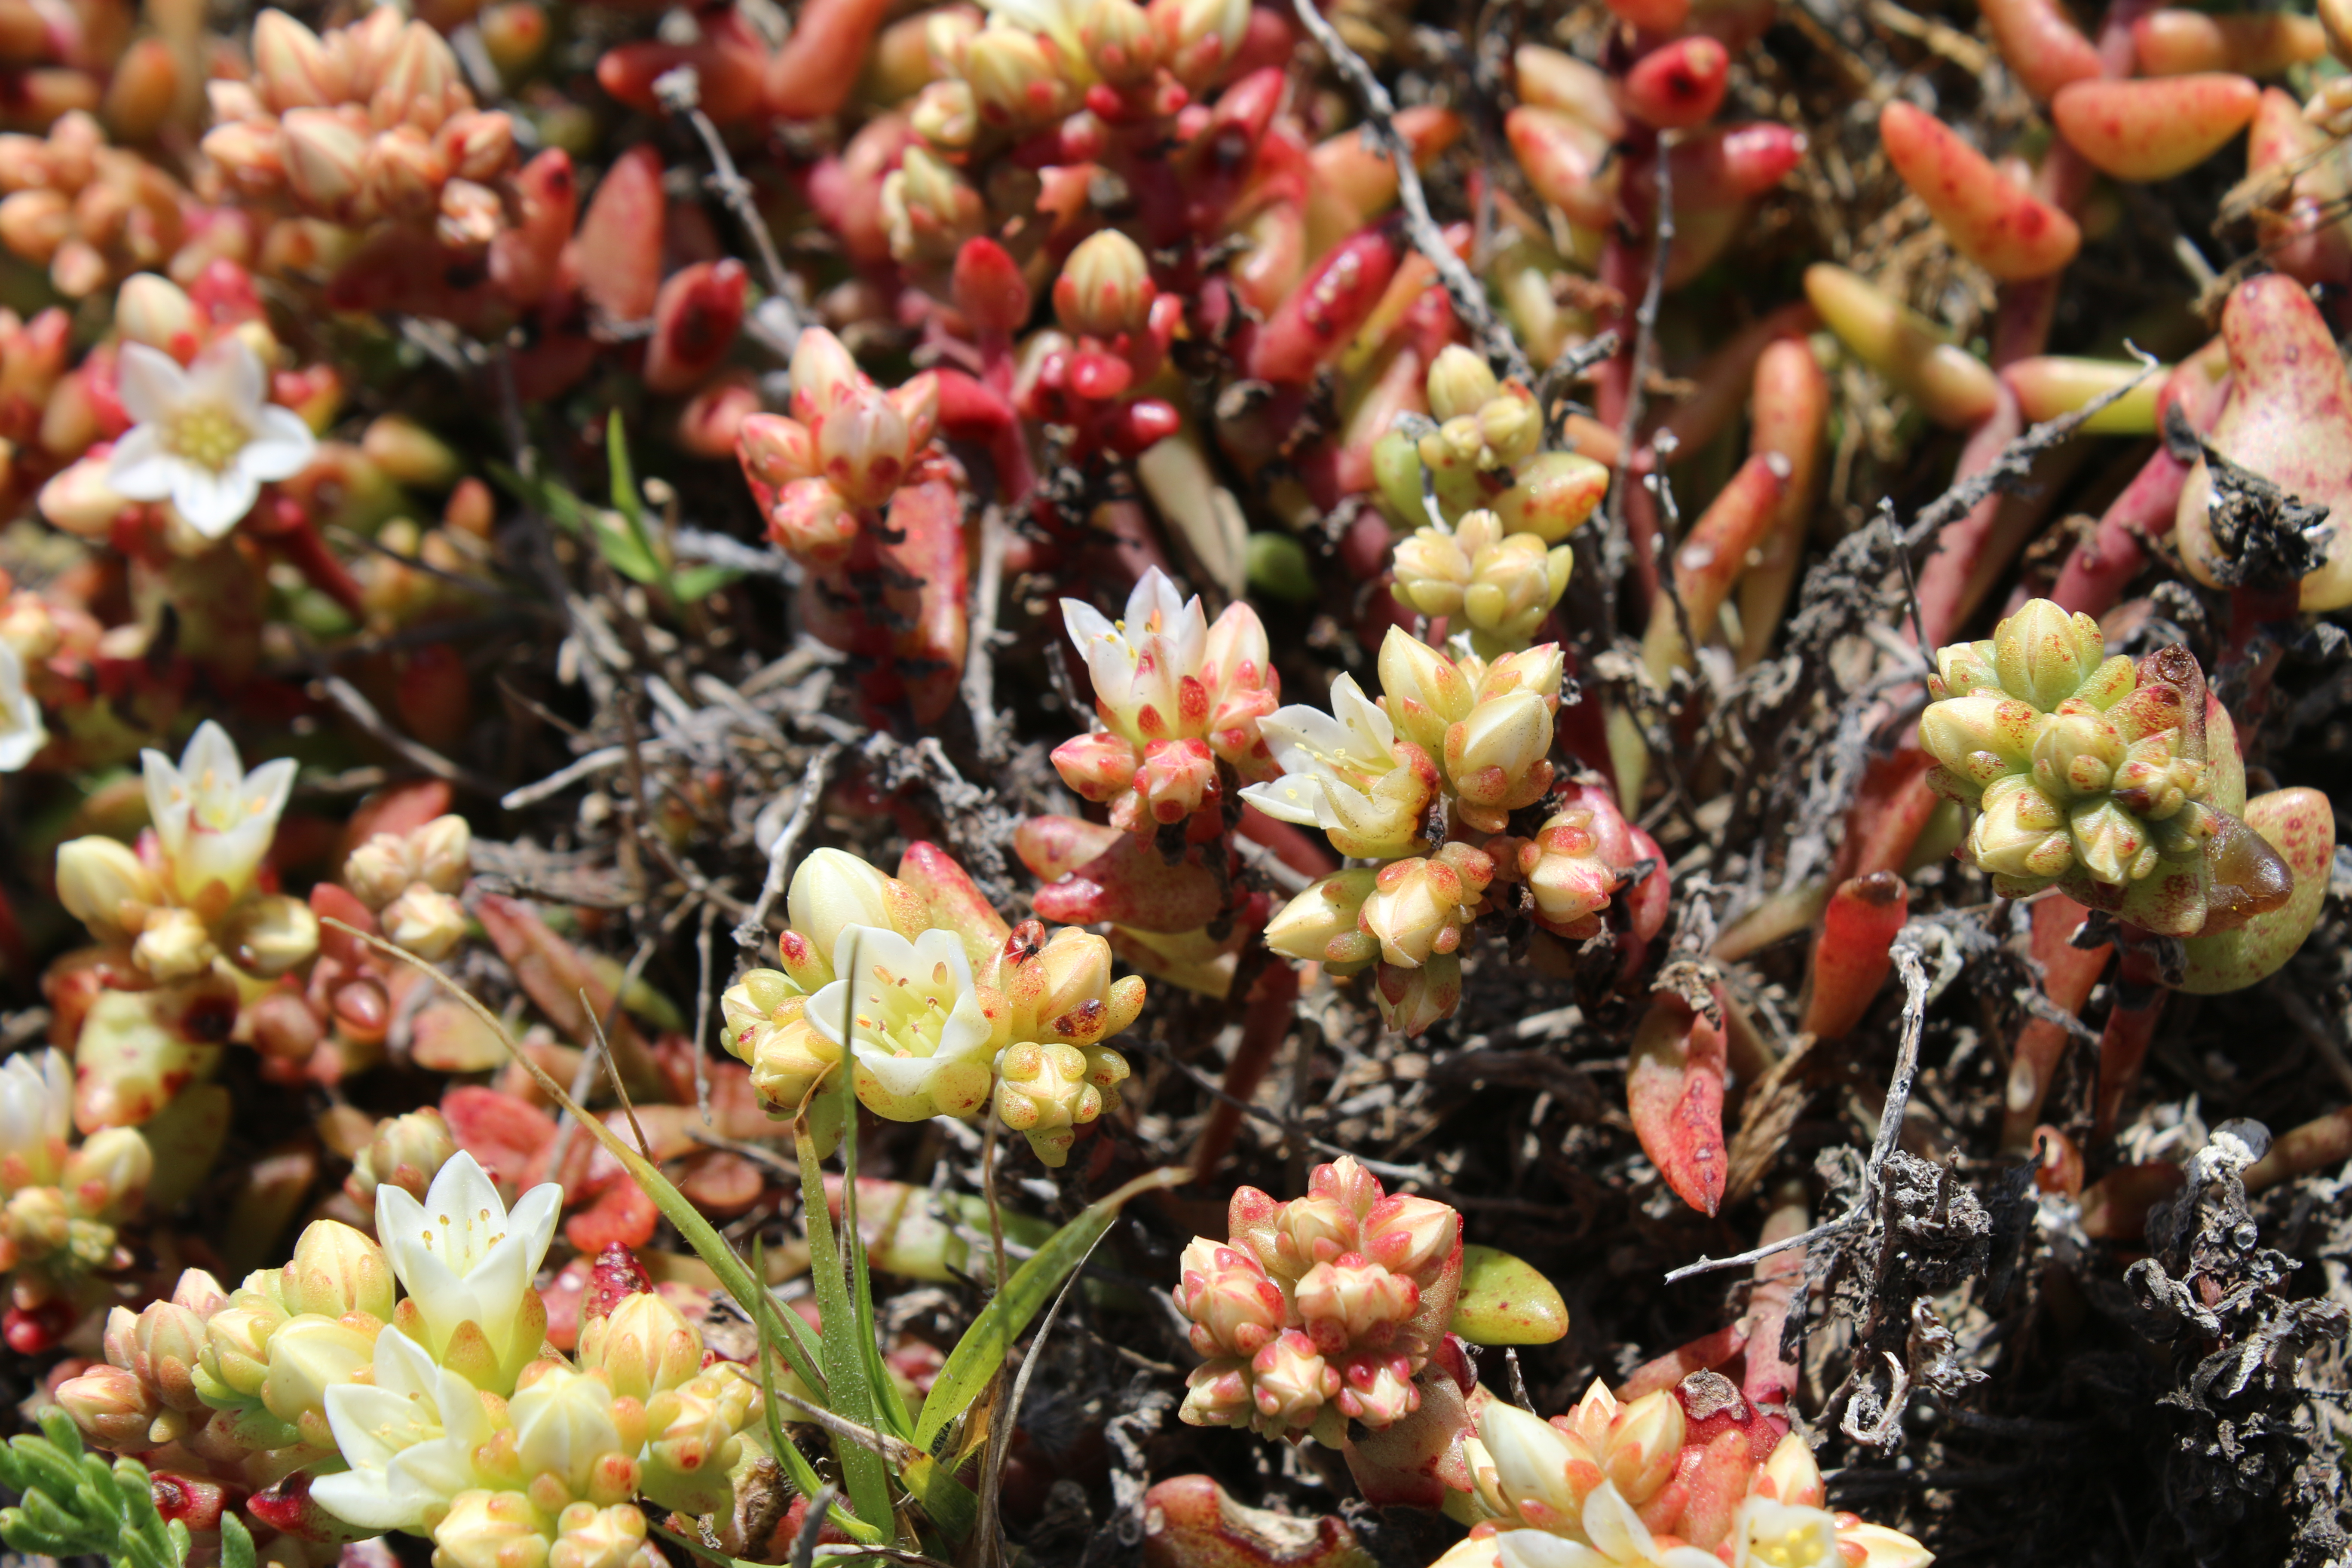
x,y
946,116
174,945
1506,736
1320,925
334,1270
104,884
270,934
1013,78
1432,571
1460,384
326,158
1410,1000
1510,427
1418,907
2112,844
643,1346
490,1529
1422,692
428,923
832,890
406,1152
308,1355
294,66
442,851
1980,739
80,502
1105,287
380,870
1042,1092
1514,585
156,311
107,1177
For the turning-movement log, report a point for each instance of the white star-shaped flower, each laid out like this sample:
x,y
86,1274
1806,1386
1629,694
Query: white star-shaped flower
x,y
205,438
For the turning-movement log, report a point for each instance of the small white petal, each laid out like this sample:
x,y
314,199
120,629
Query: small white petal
x,y
150,382
213,504
230,370
281,447
139,469
1541,1549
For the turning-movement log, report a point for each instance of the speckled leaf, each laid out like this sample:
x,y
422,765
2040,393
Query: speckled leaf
x,y
1506,1301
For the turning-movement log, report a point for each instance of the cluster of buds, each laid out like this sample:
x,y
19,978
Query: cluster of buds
x,y
408,881
60,1203
1116,326
1484,454
1176,697
89,212
2094,775
1319,1311
939,1005
350,1408
821,475
372,122
1649,1481
189,896
1033,64
1500,586
1473,734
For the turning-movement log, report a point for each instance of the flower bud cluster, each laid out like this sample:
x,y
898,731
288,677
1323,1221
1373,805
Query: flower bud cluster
x,y
931,1032
59,1202
188,896
820,474
89,212
1643,1481
1498,588
1483,454
1321,1311
410,880
1477,735
2085,771
1177,697
372,122
441,1412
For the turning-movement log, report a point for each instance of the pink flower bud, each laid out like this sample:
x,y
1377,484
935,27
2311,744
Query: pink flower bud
x,y
1236,1310
1410,1235
1410,1000
1307,1231
1098,766
326,159
1217,1394
862,445
1289,1383
1377,1391
775,450
1350,1302
812,521
1177,778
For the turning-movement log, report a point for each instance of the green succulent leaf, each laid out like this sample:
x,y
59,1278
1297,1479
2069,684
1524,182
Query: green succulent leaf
x,y
1506,1300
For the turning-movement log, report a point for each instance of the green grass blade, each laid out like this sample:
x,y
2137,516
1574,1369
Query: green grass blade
x,y
983,1350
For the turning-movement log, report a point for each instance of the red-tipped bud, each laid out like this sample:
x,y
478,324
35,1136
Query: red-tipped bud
x,y
989,289
1677,85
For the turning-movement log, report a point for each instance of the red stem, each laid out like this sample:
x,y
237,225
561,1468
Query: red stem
x,y
1264,1023
2131,1024
2068,973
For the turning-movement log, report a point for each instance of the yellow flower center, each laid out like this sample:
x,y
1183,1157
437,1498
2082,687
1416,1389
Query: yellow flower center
x,y
207,434
1796,1548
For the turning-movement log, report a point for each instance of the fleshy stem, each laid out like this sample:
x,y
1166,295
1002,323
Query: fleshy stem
x,y
1380,112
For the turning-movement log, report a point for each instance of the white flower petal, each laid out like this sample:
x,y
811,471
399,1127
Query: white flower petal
x,y
365,1419
1615,1528
281,447
359,1500
1085,623
139,469
211,503
1541,1549
1294,797
150,382
229,371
